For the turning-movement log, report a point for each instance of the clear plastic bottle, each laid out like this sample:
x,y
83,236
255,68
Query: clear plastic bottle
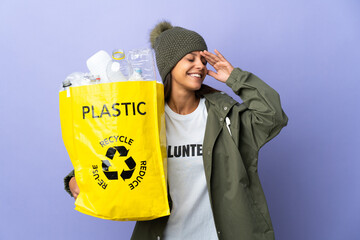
x,y
143,59
118,69
76,79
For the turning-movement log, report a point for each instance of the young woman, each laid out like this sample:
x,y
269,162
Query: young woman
x,y
213,144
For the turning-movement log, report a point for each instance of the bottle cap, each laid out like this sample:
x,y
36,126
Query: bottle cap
x,y
138,70
118,54
66,83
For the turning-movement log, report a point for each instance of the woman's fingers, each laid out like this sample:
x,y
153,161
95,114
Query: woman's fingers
x,y
75,195
74,188
213,59
220,55
212,74
210,57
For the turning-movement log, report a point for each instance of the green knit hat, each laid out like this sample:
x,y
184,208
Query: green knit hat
x,y
171,44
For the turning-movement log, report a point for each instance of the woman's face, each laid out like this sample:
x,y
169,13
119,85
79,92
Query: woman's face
x,y
189,72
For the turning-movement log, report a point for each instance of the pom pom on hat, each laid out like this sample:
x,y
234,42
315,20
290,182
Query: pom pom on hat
x,y
171,44
158,29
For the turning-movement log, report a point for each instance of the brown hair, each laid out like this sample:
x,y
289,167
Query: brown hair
x,y
204,89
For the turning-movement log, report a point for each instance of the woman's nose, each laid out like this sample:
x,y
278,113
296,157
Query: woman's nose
x,y
199,64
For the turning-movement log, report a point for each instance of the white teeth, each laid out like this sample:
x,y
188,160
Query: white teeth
x,y
195,75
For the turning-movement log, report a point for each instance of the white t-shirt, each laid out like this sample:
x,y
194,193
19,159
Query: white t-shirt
x,y
191,215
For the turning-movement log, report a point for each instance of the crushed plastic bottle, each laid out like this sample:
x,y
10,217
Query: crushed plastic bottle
x,y
118,69
80,79
143,59
77,79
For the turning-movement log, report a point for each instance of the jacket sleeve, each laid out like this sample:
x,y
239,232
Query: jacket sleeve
x,y
67,180
264,117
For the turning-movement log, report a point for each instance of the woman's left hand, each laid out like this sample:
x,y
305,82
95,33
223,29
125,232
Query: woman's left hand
x,y
222,66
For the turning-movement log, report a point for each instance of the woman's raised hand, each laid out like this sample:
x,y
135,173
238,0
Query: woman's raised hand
x,y
74,188
221,65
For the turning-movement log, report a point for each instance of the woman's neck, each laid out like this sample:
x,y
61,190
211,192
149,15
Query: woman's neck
x,y
183,103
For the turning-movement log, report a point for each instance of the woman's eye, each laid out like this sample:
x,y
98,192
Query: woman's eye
x,y
190,59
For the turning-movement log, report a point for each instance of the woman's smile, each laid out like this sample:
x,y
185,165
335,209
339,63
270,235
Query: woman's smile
x,y
195,75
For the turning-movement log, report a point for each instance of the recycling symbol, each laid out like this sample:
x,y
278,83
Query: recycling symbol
x,y
111,154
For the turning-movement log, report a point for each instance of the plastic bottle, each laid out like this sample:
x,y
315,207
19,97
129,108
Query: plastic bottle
x,y
143,59
76,79
118,69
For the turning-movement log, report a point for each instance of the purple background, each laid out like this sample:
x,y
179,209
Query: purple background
x,y
307,50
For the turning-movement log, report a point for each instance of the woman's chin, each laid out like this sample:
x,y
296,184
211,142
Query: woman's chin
x,y
196,87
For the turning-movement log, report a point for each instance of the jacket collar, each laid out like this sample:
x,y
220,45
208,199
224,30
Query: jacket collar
x,y
221,102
